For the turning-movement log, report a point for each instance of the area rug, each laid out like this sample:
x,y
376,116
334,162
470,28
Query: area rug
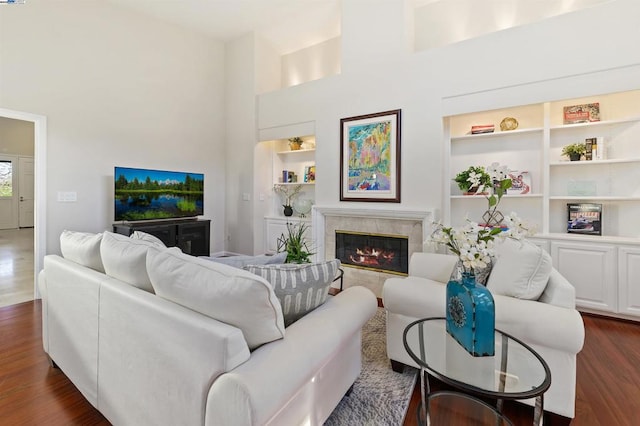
x,y
380,396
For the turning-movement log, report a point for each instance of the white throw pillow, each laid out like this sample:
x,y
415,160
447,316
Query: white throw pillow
x,y
139,235
125,258
521,269
82,248
222,292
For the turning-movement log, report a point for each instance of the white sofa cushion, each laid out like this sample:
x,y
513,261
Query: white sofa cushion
x,y
242,261
125,259
521,270
300,288
222,292
139,235
82,248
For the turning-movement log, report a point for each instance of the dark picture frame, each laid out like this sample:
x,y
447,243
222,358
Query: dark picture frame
x,y
370,157
584,218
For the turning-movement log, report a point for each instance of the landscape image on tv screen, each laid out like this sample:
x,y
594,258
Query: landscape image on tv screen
x,y
142,194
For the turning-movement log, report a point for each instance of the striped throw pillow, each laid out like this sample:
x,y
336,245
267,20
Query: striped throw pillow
x,y
300,288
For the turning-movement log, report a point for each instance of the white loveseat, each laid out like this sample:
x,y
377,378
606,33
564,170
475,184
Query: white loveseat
x,y
141,359
550,325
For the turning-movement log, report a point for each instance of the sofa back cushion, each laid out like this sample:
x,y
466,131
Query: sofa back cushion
x,y
242,260
222,292
139,235
82,248
125,259
300,288
521,270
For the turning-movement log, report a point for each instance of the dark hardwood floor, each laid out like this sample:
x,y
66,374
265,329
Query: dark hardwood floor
x,y
33,393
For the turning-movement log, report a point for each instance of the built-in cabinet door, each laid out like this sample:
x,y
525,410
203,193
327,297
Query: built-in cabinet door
x,y
591,269
629,267
275,227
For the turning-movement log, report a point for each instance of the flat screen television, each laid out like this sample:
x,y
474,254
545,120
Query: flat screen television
x,y
142,194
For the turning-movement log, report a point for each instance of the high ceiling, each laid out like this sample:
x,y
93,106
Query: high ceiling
x,y
288,24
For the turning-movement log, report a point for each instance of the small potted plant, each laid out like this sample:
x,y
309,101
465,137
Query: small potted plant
x,y
288,193
295,244
295,143
473,178
574,151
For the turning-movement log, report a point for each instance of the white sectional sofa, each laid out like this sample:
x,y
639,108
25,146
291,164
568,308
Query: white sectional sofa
x,y
549,324
142,359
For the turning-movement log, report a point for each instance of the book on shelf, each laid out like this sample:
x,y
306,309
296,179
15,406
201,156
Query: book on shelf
x,y
590,145
594,148
310,174
483,128
584,113
520,182
584,218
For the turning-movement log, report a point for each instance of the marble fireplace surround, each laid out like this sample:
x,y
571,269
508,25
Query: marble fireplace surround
x,y
415,224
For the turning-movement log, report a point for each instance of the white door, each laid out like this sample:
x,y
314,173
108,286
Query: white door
x,y
26,186
8,192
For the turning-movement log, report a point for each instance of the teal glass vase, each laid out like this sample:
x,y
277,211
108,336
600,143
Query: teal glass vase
x,y
471,315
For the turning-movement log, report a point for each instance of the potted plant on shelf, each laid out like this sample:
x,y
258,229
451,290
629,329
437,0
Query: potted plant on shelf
x,y
574,151
472,180
288,193
295,143
295,244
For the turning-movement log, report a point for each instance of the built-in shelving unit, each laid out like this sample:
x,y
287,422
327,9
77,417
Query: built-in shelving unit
x,y
604,269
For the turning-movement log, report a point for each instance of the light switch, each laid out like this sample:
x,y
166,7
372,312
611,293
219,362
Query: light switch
x,y
246,196
67,196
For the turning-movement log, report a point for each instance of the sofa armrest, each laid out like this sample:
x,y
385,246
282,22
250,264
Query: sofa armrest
x,y
433,266
559,291
157,359
539,323
301,378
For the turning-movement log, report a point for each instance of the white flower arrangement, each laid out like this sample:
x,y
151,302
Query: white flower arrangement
x,y
474,244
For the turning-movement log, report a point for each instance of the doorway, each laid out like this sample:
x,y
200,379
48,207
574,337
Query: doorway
x,y
35,198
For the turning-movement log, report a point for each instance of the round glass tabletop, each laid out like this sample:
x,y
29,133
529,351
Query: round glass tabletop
x,y
515,371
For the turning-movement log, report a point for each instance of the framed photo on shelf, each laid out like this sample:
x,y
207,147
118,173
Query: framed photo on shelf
x,y
370,157
520,182
584,218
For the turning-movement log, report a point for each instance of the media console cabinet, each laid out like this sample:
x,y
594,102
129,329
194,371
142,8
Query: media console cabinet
x,y
192,236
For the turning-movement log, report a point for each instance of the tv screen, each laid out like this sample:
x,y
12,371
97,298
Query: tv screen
x,y
142,194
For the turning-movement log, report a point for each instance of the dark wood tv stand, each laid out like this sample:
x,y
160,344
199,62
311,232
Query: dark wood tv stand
x,y
192,236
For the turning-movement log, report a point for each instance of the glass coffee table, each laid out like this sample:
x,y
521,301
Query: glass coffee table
x,y
515,371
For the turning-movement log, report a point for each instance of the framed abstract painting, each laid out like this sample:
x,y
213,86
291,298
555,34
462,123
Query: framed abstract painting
x,y
370,157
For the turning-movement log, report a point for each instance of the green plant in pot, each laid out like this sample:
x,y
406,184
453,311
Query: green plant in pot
x,y
295,143
574,151
295,244
473,179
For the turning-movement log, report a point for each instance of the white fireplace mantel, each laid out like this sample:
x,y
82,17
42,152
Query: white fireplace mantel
x,y
320,213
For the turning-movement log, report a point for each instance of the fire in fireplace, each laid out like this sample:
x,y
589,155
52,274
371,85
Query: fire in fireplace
x,y
377,252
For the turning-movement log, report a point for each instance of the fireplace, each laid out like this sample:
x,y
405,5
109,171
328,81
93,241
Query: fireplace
x,y
375,252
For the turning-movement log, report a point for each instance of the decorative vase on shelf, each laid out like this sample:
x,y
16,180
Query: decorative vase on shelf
x,y
288,211
470,315
302,206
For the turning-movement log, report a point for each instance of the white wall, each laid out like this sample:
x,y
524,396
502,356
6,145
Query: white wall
x,y
16,137
241,138
312,63
544,62
443,22
117,88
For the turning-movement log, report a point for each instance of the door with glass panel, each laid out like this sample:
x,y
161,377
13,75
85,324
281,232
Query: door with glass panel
x,y
8,192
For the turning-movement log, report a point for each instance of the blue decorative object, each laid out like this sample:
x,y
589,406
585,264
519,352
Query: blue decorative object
x,y
471,317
